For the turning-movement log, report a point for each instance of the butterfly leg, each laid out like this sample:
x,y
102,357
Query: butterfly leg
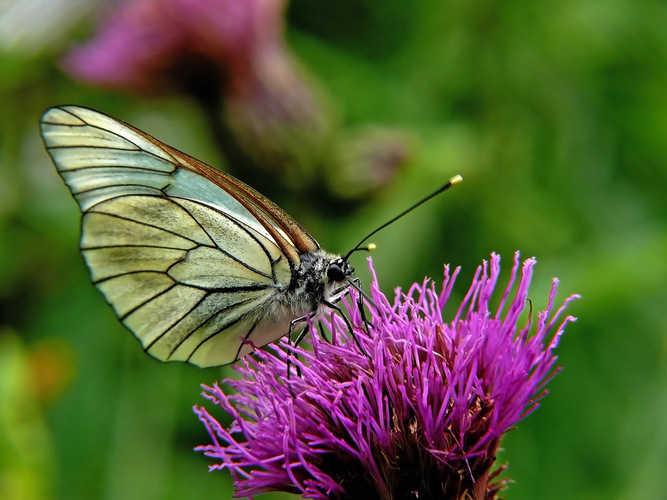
x,y
303,333
323,334
298,340
347,323
360,304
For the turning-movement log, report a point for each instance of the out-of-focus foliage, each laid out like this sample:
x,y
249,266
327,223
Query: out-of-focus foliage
x,y
554,113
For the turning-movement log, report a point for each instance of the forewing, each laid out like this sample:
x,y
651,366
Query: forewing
x,y
187,266
100,157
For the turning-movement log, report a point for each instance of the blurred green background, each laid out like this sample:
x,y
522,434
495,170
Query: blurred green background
x,y
555,113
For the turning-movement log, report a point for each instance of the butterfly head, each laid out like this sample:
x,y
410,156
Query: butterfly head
x,y
339,270
321,276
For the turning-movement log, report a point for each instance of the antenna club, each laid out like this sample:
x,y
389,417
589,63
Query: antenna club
x,y
457,179
371,247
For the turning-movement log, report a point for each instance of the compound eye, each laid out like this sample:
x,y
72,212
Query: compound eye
x,y
335,272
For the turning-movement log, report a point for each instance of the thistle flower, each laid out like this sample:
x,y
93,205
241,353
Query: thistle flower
x,y
230,56
150,46
263,108
419,415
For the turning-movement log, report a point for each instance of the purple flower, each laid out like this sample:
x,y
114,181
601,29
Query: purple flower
x,y
420,415
231,58
264,110
158,45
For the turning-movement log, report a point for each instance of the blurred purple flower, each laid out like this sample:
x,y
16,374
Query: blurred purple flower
x,y
420,417
165,45
264,110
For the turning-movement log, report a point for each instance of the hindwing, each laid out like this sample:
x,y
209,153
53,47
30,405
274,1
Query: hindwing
x,y
193,261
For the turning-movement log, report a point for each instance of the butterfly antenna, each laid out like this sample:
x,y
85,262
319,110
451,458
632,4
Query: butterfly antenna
x,y
452,182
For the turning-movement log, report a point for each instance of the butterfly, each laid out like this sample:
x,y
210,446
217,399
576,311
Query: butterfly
x,y
199,266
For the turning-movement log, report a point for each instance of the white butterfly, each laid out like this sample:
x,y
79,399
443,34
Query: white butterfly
x,y
196,264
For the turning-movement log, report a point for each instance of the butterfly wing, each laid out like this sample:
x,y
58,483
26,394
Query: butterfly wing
x,y
192,260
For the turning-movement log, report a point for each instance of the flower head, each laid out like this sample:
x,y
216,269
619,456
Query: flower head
x,y
159,45
263,108
231,58
419,414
